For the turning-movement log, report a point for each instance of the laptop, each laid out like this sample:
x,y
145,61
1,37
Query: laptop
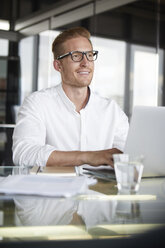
x,y
146,137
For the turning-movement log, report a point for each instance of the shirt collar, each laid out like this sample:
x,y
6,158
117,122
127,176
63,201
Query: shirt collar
x,y
69,104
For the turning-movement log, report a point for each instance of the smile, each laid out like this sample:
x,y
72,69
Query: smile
x,y
84,72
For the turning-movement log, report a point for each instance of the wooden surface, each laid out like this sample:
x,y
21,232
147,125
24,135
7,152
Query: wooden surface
x,y
70,171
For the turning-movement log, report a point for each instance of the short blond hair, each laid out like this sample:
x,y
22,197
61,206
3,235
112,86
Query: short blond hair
x,y
57,46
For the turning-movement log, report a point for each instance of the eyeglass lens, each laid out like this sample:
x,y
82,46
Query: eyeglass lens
x,y
78,56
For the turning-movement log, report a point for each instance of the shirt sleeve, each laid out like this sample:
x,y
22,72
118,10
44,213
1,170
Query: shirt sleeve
x,y
121,129
29,137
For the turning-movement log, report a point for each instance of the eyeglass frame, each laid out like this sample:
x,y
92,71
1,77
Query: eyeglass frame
x,y
83,53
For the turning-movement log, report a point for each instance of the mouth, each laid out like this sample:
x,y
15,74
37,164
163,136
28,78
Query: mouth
x,y
83,72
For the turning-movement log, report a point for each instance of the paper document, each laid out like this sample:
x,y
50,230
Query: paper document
x,y
44,185
54,171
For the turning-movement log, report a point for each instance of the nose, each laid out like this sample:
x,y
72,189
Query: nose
x,y
84,61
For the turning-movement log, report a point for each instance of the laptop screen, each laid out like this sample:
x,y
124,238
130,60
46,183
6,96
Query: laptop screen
x,y
146,137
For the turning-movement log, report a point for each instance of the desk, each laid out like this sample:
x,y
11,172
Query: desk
x,y
100,217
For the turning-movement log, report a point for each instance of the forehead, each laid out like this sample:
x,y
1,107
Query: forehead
x,y
77,44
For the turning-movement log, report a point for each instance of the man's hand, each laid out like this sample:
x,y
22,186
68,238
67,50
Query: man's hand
x,y
103,157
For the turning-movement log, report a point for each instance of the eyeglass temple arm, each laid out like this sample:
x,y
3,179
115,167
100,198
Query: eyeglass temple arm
x,y
64,55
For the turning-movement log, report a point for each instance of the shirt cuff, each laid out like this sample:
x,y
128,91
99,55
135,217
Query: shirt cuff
x,y
43,155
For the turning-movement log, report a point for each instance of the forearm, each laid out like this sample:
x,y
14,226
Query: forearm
x,y
65,158
76,158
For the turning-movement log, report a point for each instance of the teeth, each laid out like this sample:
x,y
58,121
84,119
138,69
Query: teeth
x,y
84,72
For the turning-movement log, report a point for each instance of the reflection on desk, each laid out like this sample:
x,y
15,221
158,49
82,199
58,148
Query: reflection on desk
x,y
32,211
95,215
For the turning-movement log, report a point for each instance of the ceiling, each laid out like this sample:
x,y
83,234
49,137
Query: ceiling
x,y
135,21
25,8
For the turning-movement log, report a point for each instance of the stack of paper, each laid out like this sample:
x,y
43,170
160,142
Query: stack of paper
x,y
44,185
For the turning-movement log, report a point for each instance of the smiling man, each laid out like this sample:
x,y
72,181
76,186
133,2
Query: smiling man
x,y
69,124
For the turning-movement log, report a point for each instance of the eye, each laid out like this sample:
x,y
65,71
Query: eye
x,y
91,54
76,55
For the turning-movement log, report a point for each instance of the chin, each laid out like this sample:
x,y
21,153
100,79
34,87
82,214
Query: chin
x,y
83,84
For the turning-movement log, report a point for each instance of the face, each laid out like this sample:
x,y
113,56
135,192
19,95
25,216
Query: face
x,y
76,74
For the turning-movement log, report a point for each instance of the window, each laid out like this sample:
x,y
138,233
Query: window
x,y
109,76
145,76
4,25
47,75
26,54
4,47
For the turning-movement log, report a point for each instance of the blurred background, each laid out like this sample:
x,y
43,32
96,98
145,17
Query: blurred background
x,y
129,35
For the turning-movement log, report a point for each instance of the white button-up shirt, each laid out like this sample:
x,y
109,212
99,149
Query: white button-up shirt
x,y
48,121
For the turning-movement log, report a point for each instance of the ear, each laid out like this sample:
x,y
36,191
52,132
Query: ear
x,y
57,65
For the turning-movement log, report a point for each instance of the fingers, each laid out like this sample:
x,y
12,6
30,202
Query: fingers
x,y
103,157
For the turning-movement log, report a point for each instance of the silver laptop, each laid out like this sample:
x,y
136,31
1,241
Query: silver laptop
x,y
146,137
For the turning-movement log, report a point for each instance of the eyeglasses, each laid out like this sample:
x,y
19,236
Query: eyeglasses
x,y
77,56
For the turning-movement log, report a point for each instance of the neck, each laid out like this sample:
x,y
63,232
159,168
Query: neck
x,y
78,95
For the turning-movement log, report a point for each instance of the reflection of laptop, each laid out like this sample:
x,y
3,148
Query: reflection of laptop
x,y
146,137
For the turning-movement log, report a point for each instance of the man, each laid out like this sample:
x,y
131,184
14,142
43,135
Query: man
x,y
69,125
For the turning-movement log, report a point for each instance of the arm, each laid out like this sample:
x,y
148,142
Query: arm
x,y
72,158
29,146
